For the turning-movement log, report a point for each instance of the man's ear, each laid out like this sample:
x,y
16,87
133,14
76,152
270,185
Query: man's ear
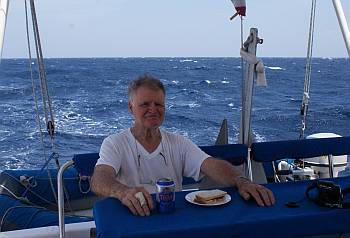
x,y
130,107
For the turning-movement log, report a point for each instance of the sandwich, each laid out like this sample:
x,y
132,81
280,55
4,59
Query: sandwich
x,y
210,196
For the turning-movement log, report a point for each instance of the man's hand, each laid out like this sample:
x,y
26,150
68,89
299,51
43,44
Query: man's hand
x,y
132,198
224,173
247,189
105,184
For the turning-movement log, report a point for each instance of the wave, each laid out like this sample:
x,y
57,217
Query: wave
x,y
5,134
274,68
258,137
188,60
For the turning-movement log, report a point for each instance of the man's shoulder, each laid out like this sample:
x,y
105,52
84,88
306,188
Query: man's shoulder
x,y
118,136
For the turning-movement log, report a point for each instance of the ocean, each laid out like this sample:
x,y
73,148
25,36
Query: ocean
x,y
89,102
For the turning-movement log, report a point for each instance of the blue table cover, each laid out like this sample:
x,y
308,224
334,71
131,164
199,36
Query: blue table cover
x,y
238,218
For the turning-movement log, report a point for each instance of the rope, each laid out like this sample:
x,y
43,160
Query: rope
x,y
28,189
9,210
307,80
41,209
28,185
242,60
22,199
84,178
36,101
33,83
46,101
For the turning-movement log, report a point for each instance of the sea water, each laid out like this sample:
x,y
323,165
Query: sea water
x,y
89,102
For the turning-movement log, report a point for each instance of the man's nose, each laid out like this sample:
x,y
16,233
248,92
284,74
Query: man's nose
x,y
152,107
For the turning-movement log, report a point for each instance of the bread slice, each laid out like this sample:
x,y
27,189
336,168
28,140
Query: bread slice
x,y
210,196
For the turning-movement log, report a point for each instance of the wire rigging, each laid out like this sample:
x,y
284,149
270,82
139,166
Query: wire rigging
x,y
46,101
307,80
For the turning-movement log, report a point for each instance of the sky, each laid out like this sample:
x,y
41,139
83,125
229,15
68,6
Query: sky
x,y
177,28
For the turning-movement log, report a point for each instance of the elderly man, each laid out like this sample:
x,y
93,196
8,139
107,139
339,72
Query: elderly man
x,y
131,161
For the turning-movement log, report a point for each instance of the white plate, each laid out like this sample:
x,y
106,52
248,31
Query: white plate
x,y
191,196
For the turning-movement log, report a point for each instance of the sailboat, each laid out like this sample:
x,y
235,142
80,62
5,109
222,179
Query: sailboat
x,y
26,194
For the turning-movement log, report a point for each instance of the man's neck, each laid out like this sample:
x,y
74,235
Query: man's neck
x,y
148,138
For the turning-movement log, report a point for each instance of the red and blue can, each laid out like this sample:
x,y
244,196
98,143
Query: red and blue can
x,y
165,197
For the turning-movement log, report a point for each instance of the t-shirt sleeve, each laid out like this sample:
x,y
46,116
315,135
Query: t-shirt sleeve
x,y
109,154
193,158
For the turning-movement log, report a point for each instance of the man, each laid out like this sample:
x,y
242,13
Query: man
x,y
131,161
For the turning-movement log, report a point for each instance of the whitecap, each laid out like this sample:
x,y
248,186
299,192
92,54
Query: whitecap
x,y
225,82
231,104
186,60
258,137
8,88
193,105
207,81
175,82
4,134
178,131
274,67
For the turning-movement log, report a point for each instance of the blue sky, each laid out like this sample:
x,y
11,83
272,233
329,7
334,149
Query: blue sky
x,y
156,28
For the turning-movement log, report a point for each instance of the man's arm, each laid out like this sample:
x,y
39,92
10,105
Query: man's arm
x,y
105,184
224,173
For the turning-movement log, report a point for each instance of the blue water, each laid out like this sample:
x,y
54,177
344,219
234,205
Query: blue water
x,y
89,102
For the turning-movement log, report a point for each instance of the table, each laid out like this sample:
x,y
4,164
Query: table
x,y
238,218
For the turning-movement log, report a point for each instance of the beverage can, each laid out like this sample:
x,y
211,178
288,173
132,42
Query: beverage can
x,y
165,198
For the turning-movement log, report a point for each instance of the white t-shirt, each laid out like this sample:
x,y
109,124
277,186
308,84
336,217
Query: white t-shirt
x,y
175,157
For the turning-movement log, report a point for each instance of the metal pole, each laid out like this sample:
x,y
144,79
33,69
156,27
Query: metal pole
x,y
252,169
342,23
247,93
4,5
61,197
330,166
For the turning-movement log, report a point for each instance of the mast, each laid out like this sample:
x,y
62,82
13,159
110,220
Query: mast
x,y
342,23
247,90
3,16
253,67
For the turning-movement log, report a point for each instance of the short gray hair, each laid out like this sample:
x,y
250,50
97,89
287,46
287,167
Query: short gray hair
x,y
147,81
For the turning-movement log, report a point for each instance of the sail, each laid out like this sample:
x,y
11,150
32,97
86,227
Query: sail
x,y
240,6
3,16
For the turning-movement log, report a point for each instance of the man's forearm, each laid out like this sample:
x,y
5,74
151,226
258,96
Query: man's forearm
x,y
221,171
105,185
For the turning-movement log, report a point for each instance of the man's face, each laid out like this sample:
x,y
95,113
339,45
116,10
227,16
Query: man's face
x,y
148,107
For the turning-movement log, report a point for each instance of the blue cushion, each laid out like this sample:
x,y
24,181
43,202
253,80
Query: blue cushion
x,y
22,216
41,192
85,163
305,148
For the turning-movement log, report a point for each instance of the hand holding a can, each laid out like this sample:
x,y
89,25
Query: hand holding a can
x,y
138,200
